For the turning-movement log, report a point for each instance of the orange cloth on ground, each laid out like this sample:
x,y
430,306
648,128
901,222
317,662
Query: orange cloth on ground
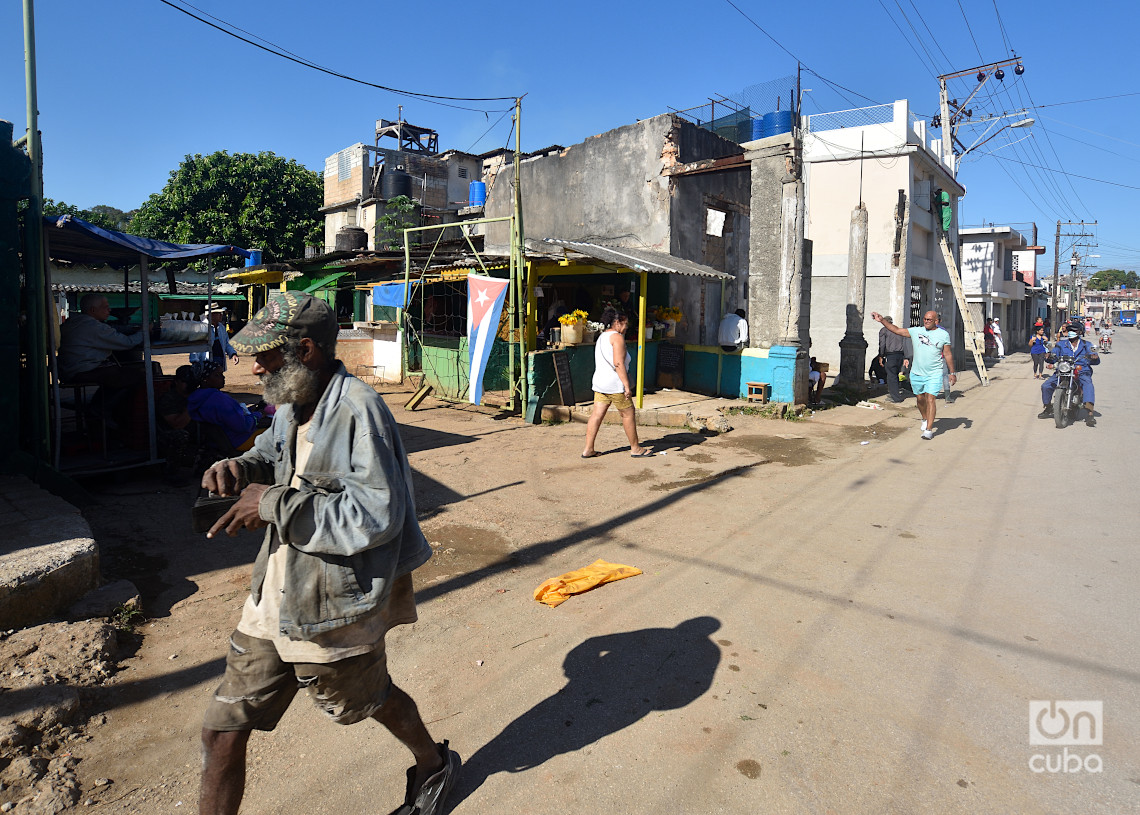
x,y
557,590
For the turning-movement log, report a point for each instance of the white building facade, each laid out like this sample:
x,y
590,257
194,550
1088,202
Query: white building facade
x,y
880,156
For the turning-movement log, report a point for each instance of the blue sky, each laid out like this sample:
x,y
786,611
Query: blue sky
x,y
127,88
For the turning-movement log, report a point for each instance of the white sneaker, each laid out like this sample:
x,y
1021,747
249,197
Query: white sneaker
x,y
928,434
923,428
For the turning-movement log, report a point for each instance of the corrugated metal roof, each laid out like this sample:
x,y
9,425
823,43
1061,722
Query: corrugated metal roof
x,y
642,260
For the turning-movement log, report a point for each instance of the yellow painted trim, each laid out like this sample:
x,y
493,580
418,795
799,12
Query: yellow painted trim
x,y
757,353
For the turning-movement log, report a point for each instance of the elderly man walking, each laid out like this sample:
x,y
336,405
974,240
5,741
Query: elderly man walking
x,y
931,348
330,484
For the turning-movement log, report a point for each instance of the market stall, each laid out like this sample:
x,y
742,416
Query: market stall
x,y
74,240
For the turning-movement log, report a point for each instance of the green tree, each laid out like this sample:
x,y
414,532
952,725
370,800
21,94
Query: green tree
x,y
258,201
102,215
1113,279
391,225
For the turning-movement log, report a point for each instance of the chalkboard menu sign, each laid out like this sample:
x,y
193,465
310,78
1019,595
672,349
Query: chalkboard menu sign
x,y
562,374
670,365
670,358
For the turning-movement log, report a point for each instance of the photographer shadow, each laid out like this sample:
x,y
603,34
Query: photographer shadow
x,y
613,681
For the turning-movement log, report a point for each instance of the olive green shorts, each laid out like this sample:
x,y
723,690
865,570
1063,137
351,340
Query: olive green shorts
x,y
258,685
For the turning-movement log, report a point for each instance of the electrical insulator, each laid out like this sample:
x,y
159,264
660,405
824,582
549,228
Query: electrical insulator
x,y
969,113
1000,74
936,122
981,76
1019,69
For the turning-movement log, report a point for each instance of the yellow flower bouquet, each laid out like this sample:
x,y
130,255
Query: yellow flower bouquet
x,y
576,316
667,313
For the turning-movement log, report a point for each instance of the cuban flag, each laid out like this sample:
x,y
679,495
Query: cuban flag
x,y
485,296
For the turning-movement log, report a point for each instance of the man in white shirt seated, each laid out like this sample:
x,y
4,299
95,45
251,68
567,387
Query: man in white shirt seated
x,y
733,333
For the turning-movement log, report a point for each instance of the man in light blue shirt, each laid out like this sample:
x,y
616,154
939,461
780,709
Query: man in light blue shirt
x,y
931,346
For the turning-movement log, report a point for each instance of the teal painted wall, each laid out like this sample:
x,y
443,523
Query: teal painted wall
x,y
543,389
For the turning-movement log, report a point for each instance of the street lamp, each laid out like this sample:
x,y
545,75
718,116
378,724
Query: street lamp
x,y
1026,122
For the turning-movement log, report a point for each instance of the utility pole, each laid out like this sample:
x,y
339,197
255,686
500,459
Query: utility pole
x,y
1057,261
1056,280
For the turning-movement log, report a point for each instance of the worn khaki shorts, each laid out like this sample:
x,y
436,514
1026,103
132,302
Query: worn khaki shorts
x,y
258,686
618,400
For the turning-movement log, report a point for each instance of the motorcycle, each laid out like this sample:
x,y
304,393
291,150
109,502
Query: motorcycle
x,y
1106,342
1068,397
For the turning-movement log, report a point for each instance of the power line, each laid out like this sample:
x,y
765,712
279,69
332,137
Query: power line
x,y
1082,101
280,52
934,69
834,85
1074,175
967,19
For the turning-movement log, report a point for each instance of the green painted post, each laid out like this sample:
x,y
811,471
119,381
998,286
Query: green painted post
x,y
36,304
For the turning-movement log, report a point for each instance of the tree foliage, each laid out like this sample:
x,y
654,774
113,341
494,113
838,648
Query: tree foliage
x,y
391,225
102,215
1113,279
260,201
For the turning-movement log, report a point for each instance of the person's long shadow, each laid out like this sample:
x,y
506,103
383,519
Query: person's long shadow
x,y
612,682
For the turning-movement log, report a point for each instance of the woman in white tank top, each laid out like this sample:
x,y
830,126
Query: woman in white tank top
x,y
611,384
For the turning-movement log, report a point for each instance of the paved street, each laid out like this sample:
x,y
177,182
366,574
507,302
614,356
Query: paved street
x,y
859,629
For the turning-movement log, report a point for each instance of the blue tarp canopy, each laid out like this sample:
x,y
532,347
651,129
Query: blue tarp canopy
x,y
77,241
388,294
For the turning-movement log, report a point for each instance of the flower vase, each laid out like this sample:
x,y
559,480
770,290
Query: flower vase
x,y
572,333
648,332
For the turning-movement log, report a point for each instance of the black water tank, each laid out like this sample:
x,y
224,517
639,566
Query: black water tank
x,y
350,238
395,182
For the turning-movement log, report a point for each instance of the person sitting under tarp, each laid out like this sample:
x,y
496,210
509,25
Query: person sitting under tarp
x,y
92,352
227,426
176,432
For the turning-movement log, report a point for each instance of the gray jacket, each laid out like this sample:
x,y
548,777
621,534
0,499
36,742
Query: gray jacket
x,y
351,528
85,344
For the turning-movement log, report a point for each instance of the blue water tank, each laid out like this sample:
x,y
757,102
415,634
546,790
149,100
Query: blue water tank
x,y
776,123
757,128
254,258
477,194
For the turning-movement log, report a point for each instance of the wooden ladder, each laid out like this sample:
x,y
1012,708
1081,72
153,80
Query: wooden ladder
x,y
974,339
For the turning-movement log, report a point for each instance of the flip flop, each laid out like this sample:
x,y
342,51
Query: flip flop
x,y
594,454
646,453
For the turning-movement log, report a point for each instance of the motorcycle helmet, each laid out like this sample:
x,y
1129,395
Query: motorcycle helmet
x,y
1078,327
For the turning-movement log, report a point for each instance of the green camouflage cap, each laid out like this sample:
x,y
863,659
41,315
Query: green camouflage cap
x,y
287,315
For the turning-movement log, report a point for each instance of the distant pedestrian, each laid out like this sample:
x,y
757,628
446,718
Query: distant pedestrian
x,y
611,384
931,350
997,339
988,336
894,352
1038,348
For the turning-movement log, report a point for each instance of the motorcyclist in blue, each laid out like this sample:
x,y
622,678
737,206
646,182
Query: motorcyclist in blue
x,y
1084,354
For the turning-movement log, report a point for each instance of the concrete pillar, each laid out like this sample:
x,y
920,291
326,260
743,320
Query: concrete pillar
x,y
791,264
899,285
771,161
853,346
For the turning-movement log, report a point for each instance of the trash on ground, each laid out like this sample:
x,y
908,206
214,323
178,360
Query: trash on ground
x,y
557,590
869,406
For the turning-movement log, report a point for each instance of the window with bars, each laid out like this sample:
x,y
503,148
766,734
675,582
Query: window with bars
x,y
915,303
463,172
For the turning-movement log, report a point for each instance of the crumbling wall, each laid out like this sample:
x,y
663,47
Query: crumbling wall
x,y
608,189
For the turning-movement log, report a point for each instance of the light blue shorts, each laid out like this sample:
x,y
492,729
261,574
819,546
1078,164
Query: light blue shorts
x,y
929,384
